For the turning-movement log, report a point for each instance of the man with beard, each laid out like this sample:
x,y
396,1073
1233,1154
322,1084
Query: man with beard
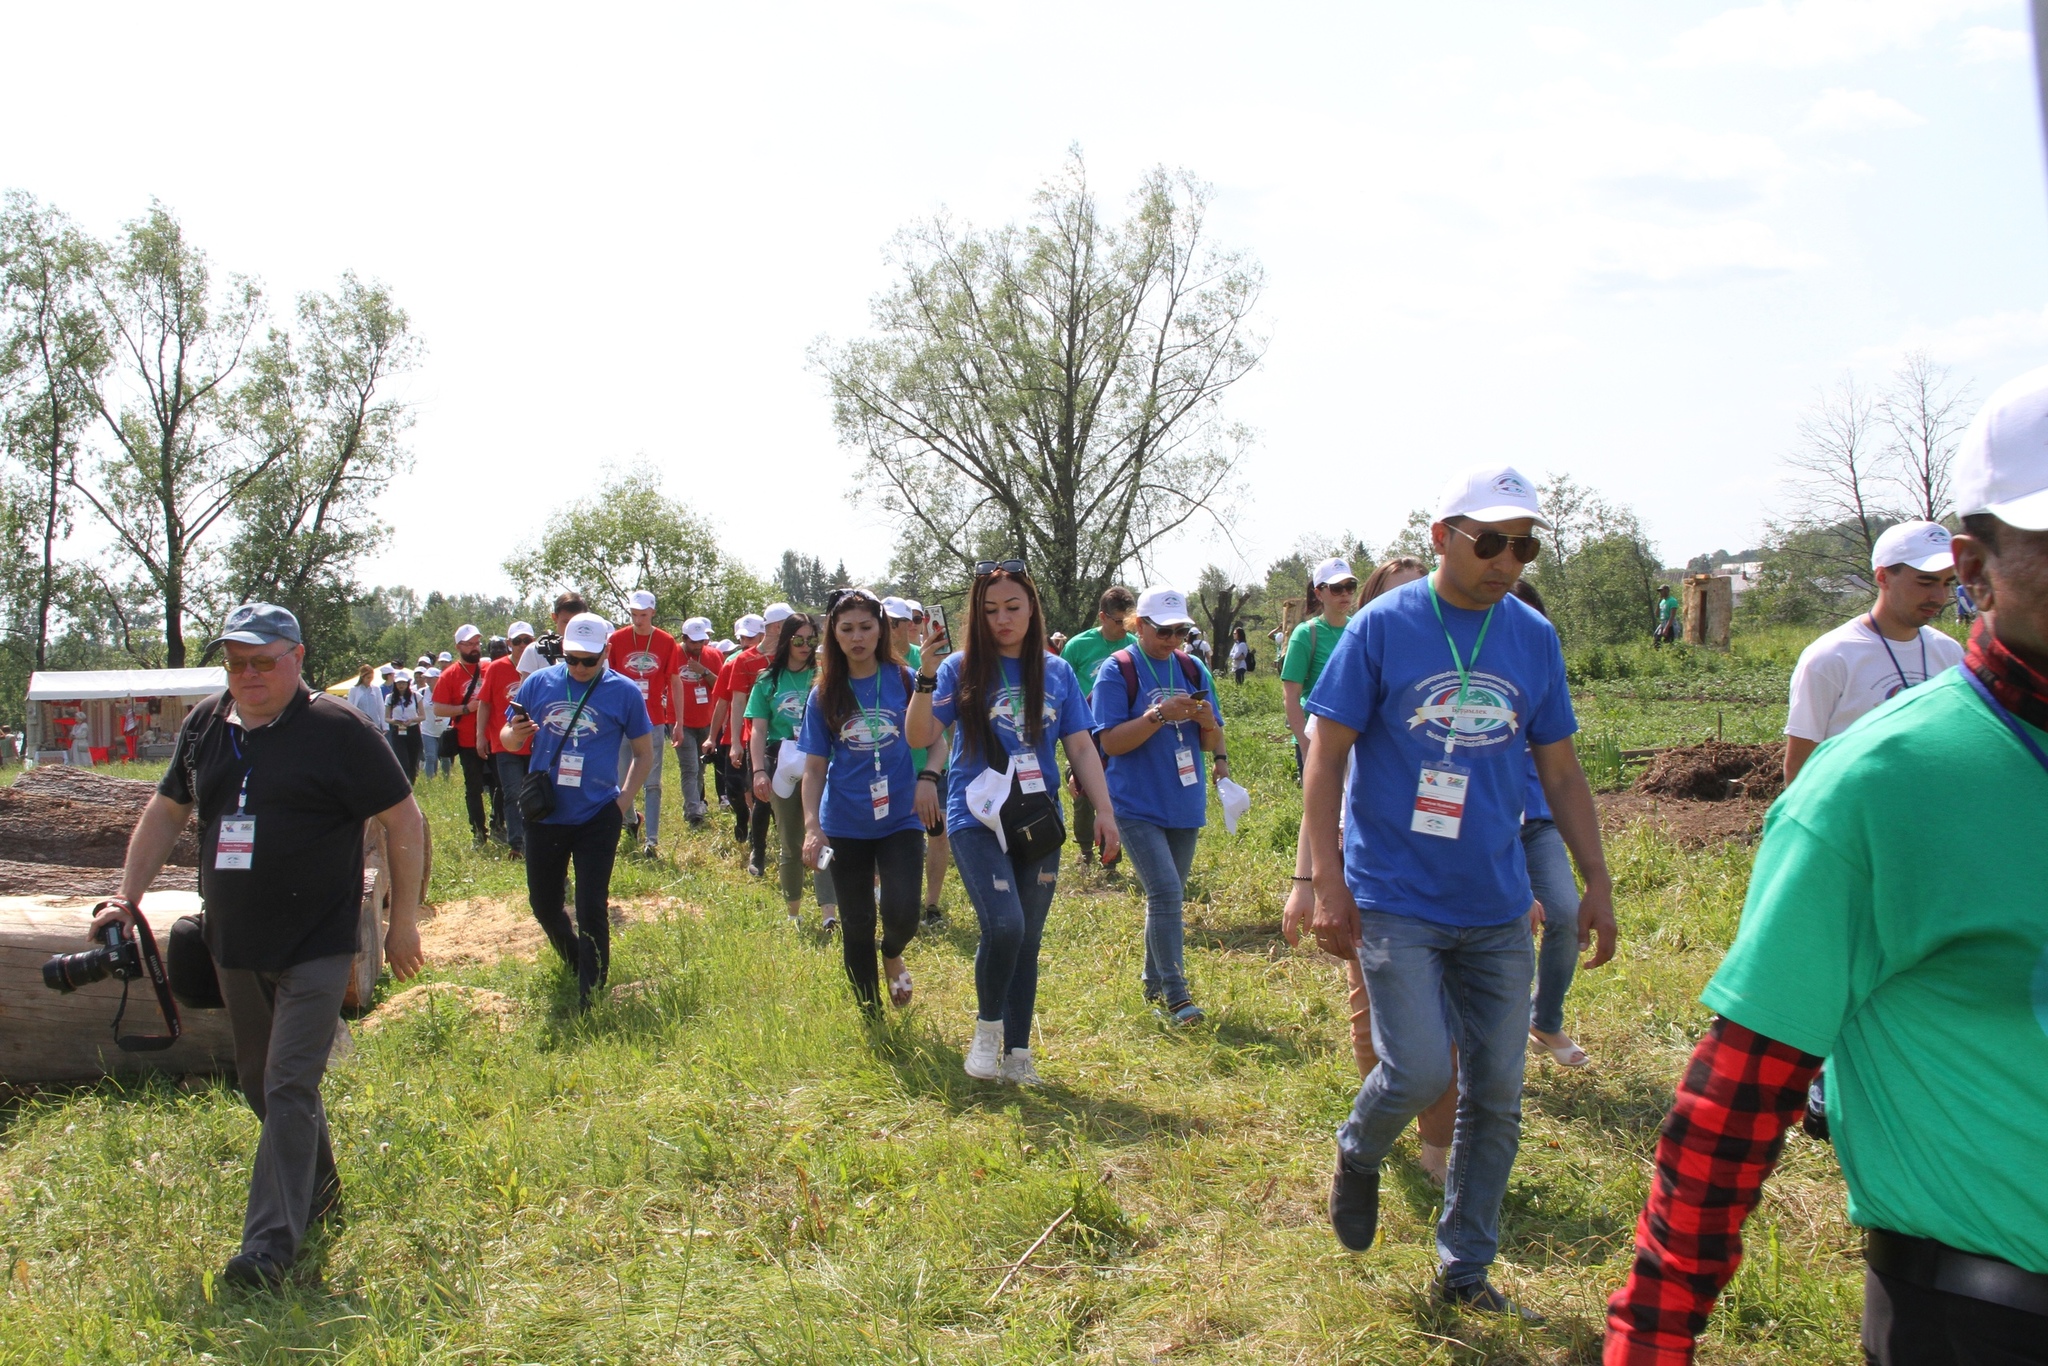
x,y
697,666
458,695
647,657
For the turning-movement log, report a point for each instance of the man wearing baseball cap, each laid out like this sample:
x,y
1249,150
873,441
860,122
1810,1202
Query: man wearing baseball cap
x,y
283,780
1882,652
1154,720
1443,690
1085,653
1922,982
646,656
697,666
588,719
458,695
502,677
729,699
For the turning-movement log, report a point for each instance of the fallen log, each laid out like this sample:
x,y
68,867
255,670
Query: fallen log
x,y
62,880
54,814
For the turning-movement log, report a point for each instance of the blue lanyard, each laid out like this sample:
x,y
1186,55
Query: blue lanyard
x,y
1904,682
2012,723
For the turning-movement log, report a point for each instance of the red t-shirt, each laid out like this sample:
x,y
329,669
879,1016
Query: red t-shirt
x,y
451,687
648,662
735,685
501,679
700,675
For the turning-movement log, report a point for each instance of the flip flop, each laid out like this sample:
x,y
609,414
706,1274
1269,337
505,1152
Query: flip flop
x,y
899,988
1571,1055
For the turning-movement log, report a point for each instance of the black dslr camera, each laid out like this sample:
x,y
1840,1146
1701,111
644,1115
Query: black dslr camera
x,y
127,952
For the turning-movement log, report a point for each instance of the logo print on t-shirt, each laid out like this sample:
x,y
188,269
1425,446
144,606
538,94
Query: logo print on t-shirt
x,y
864,733
556,719
1008,704
790,705
642,662
1487,718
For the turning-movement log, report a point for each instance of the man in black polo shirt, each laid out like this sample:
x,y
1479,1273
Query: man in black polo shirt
x,y
283,779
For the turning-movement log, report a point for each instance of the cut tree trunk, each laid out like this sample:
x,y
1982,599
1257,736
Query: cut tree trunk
x,y
58,814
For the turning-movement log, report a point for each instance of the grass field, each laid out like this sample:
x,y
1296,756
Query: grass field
x,y
720,1163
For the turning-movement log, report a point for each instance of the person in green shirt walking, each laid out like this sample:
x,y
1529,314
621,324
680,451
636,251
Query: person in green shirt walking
x,y
776,707
1332,592
1085,653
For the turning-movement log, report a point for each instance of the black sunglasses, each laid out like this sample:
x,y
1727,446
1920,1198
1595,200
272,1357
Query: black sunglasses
x,y
983,568
1487,545
839,595
1169,631
582,661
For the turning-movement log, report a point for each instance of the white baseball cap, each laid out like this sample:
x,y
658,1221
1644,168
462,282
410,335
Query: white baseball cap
x,y
431,672
897,608
697,628
749,625
916,608
587,633
1917,545
2002,467
466,633
1491,493
426,660
1329,571
518,629
777,611
1164,606
385,671
445,658
724,647
401,675
640,600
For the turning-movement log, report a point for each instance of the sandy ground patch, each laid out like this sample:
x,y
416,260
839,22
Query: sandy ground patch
x,y
485,929
493,1005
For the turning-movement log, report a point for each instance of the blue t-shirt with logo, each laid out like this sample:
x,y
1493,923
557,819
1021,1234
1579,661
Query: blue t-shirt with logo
x,y
869,746
1065,713
615,712
1144,783
1391,678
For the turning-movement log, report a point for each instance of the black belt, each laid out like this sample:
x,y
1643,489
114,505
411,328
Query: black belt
x,y
1937,1266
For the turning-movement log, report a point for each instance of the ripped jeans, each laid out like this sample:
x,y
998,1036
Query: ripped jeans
x,y
1011,904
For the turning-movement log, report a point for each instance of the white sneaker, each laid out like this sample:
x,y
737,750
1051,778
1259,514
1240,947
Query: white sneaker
x,y
1017,1068
984,1055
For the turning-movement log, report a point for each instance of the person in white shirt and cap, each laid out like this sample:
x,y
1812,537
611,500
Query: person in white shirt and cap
x,y
722,743
433,763
403,712
698,663
1882,652
1332,593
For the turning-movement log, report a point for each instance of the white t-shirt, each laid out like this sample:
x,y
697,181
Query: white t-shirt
x,y
1852,668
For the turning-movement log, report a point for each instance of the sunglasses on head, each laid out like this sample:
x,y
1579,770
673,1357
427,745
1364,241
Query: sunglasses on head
x,y
582,661
1487,545
839,595
262,664
983,568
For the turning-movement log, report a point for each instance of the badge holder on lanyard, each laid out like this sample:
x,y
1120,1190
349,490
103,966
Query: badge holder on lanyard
x,y
1904,682
876,718
569,762
1441,790
235,845
1183,755
1027,770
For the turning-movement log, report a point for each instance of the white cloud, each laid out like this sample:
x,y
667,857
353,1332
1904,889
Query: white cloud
x,y
2018,337
1816,32
1556,40
1982,43
1856,111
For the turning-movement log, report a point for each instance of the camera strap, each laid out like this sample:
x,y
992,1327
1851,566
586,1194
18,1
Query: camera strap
x,y
159,980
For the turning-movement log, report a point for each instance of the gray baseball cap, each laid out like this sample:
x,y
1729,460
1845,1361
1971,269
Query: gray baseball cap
x,y
259,623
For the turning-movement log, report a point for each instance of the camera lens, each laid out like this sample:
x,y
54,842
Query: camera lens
x,y
70,971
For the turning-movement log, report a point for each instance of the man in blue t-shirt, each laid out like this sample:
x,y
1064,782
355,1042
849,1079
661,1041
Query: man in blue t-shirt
x,y
581,717
1442,689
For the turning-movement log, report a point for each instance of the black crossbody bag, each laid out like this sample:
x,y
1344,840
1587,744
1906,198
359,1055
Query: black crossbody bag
x,y
537,792
1032,827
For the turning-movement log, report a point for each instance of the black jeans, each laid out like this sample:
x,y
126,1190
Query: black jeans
x,y
406,745
1909,1325
593,845
899,858
477,779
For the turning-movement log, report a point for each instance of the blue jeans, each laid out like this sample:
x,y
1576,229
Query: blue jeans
x,y
511,777
1434,985
1550,877
1162,856
1011,903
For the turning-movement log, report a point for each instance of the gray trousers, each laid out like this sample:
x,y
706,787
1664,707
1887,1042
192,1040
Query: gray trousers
x,y
650,792
690,768
284,1025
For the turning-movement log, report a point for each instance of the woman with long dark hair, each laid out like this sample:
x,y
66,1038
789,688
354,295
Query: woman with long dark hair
x,y
1012,706
776,707
860,795
1332,593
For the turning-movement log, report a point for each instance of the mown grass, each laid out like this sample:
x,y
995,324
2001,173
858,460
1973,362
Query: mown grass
x,y
721,1163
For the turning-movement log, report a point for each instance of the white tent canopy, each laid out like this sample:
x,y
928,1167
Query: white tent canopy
x,y
89,685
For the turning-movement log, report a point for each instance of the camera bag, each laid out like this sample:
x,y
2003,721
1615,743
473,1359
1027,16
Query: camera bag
x,y
194,982
537,791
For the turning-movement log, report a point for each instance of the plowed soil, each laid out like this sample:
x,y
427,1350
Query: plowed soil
x,y
1715,772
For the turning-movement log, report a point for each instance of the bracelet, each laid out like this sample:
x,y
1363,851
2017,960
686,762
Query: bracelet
x,y
1220,758
927,683
1299,878
929,776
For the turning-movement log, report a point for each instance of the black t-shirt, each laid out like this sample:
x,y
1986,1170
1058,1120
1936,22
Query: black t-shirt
x,y
314,775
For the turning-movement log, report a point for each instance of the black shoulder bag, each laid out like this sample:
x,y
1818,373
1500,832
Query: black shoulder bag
x,y
1032,825
537,792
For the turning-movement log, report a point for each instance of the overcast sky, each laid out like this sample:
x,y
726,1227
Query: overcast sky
x,y
1626,241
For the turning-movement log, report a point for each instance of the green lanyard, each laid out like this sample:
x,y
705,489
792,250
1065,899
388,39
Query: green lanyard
x,y
875,715
1164,678
1464,669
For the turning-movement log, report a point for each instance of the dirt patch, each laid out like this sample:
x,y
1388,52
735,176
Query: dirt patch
x,y
1695,825
485,929
492,1005
78,818
57,879
1716,772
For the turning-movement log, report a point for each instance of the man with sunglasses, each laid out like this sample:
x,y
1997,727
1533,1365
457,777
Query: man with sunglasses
x,y
697,667
648,658
283,780
587,718
458,695
1084,654
1442,689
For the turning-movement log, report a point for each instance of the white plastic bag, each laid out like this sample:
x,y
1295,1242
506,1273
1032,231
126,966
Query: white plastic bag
x,y
789,769
1236,801
985,798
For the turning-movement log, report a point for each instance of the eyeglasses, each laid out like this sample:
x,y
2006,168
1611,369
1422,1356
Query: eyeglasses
x,y
983,568
1487,545
1169,631
262,664
582,661
802,640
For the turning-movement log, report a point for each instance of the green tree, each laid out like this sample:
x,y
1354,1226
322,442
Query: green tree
x,y
803,582
1598,572
630,536
1053,390
1227,604
1413,539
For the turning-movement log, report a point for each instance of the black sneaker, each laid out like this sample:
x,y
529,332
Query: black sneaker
x,y
1354,1206
933,917
251,1272
1481,1295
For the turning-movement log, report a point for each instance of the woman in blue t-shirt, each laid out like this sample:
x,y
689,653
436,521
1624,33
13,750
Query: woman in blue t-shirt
x,y
1011,705
860,793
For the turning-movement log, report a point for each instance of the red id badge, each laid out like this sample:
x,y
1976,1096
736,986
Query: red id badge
x,y
1184,760
1440,798
235,845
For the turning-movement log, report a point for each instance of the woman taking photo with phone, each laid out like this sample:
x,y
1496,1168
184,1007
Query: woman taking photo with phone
x,y
859,793
1011,706
776,707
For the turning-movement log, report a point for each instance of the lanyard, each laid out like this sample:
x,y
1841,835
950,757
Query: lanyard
x,y
1904,682
235,739
1464,669
2012,722
875,715
1165,685
568,739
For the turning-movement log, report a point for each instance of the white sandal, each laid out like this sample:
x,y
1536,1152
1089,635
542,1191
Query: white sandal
x,y
1569,1055
899,988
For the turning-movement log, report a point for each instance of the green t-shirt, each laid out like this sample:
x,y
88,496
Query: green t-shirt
x,y
1897,924
1308,649
913,655
1086,652
1667,608
779,700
